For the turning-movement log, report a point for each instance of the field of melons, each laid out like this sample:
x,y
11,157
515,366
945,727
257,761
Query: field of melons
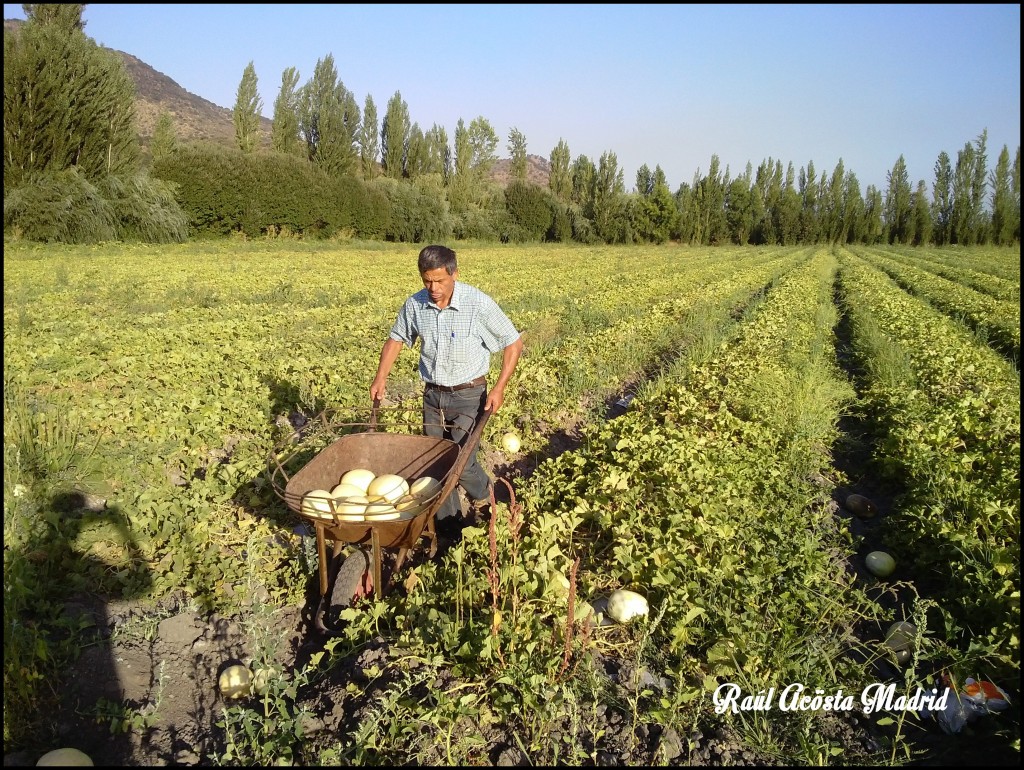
x,y
160,379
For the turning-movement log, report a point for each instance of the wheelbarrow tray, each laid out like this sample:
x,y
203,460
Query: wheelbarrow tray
x,y
408,456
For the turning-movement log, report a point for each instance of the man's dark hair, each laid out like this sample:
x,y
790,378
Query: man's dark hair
x,y
433,257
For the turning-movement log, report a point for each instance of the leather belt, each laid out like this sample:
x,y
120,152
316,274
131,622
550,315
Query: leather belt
x,y
452,388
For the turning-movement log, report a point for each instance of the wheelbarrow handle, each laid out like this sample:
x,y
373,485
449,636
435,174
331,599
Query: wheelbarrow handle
x,y
467,449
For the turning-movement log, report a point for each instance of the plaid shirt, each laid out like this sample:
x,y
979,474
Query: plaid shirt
x,y
456,341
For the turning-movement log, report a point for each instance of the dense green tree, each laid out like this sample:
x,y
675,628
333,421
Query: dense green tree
x,y
942,201
609,201
979,187
64,17
483,143
284,130
582,173
559,178
531,211
810,223
968,221
248,106
394,137
897,216
743,208
962,217
1015,193
709,198
768,180
853,210
644,181
439,154
164,141
873,227
656,216
920,218
369,140
67,101
1005,219
418,211
833,210
517,151
686,206
787,215
417,159
329,120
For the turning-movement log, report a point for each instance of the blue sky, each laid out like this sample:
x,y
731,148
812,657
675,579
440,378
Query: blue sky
x,y
667,85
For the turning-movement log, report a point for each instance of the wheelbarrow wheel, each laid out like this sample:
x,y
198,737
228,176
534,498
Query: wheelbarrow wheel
x,y
354,580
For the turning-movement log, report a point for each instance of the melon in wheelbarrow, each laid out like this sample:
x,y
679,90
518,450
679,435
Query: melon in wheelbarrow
x,y
317,503
424,488
352,508
343,491
359,477
410,506
387,488
381,511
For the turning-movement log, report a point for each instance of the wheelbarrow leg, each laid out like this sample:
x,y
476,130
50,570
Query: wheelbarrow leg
x,y
375,539
328,574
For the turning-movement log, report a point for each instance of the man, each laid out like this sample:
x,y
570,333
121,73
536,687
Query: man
x,y
459,328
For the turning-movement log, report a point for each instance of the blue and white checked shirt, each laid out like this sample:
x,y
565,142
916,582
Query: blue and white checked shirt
x,y
457,341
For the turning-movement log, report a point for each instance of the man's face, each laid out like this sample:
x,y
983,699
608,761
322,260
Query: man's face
x,y
439,285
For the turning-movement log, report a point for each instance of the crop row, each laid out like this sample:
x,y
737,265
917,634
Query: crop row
x,y
948,414
962,272
997,320
701,497
994,261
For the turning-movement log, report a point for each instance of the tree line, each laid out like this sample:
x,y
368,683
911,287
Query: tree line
x,y
74,171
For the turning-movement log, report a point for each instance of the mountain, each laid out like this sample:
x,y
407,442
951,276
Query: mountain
x,y
196,118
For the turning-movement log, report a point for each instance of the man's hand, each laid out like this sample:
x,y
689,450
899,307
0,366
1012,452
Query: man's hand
x,y
495,398
377,390
388,356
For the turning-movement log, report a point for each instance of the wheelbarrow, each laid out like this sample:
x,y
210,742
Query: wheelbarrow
x,y
411,456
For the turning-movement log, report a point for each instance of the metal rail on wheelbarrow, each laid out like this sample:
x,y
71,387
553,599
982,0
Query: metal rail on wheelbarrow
x,y
407,455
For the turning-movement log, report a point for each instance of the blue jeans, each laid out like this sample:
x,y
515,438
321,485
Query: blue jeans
x,y
453,416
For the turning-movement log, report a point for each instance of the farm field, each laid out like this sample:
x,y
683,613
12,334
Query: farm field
x,y
692,420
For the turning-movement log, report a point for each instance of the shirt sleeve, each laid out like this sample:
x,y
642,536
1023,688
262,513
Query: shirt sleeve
x,y
404,328
497,332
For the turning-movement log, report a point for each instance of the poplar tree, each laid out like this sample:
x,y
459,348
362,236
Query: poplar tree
x,y
608,206
438,154
582,173
517,151
921,220
809,221
68,103
394,137
853,210
559,179
962,217
942,201
483,144
1005,221
284,131
898,204
788,223
979,184
248,106
329,120
369,140
416,155
164,142
644,181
